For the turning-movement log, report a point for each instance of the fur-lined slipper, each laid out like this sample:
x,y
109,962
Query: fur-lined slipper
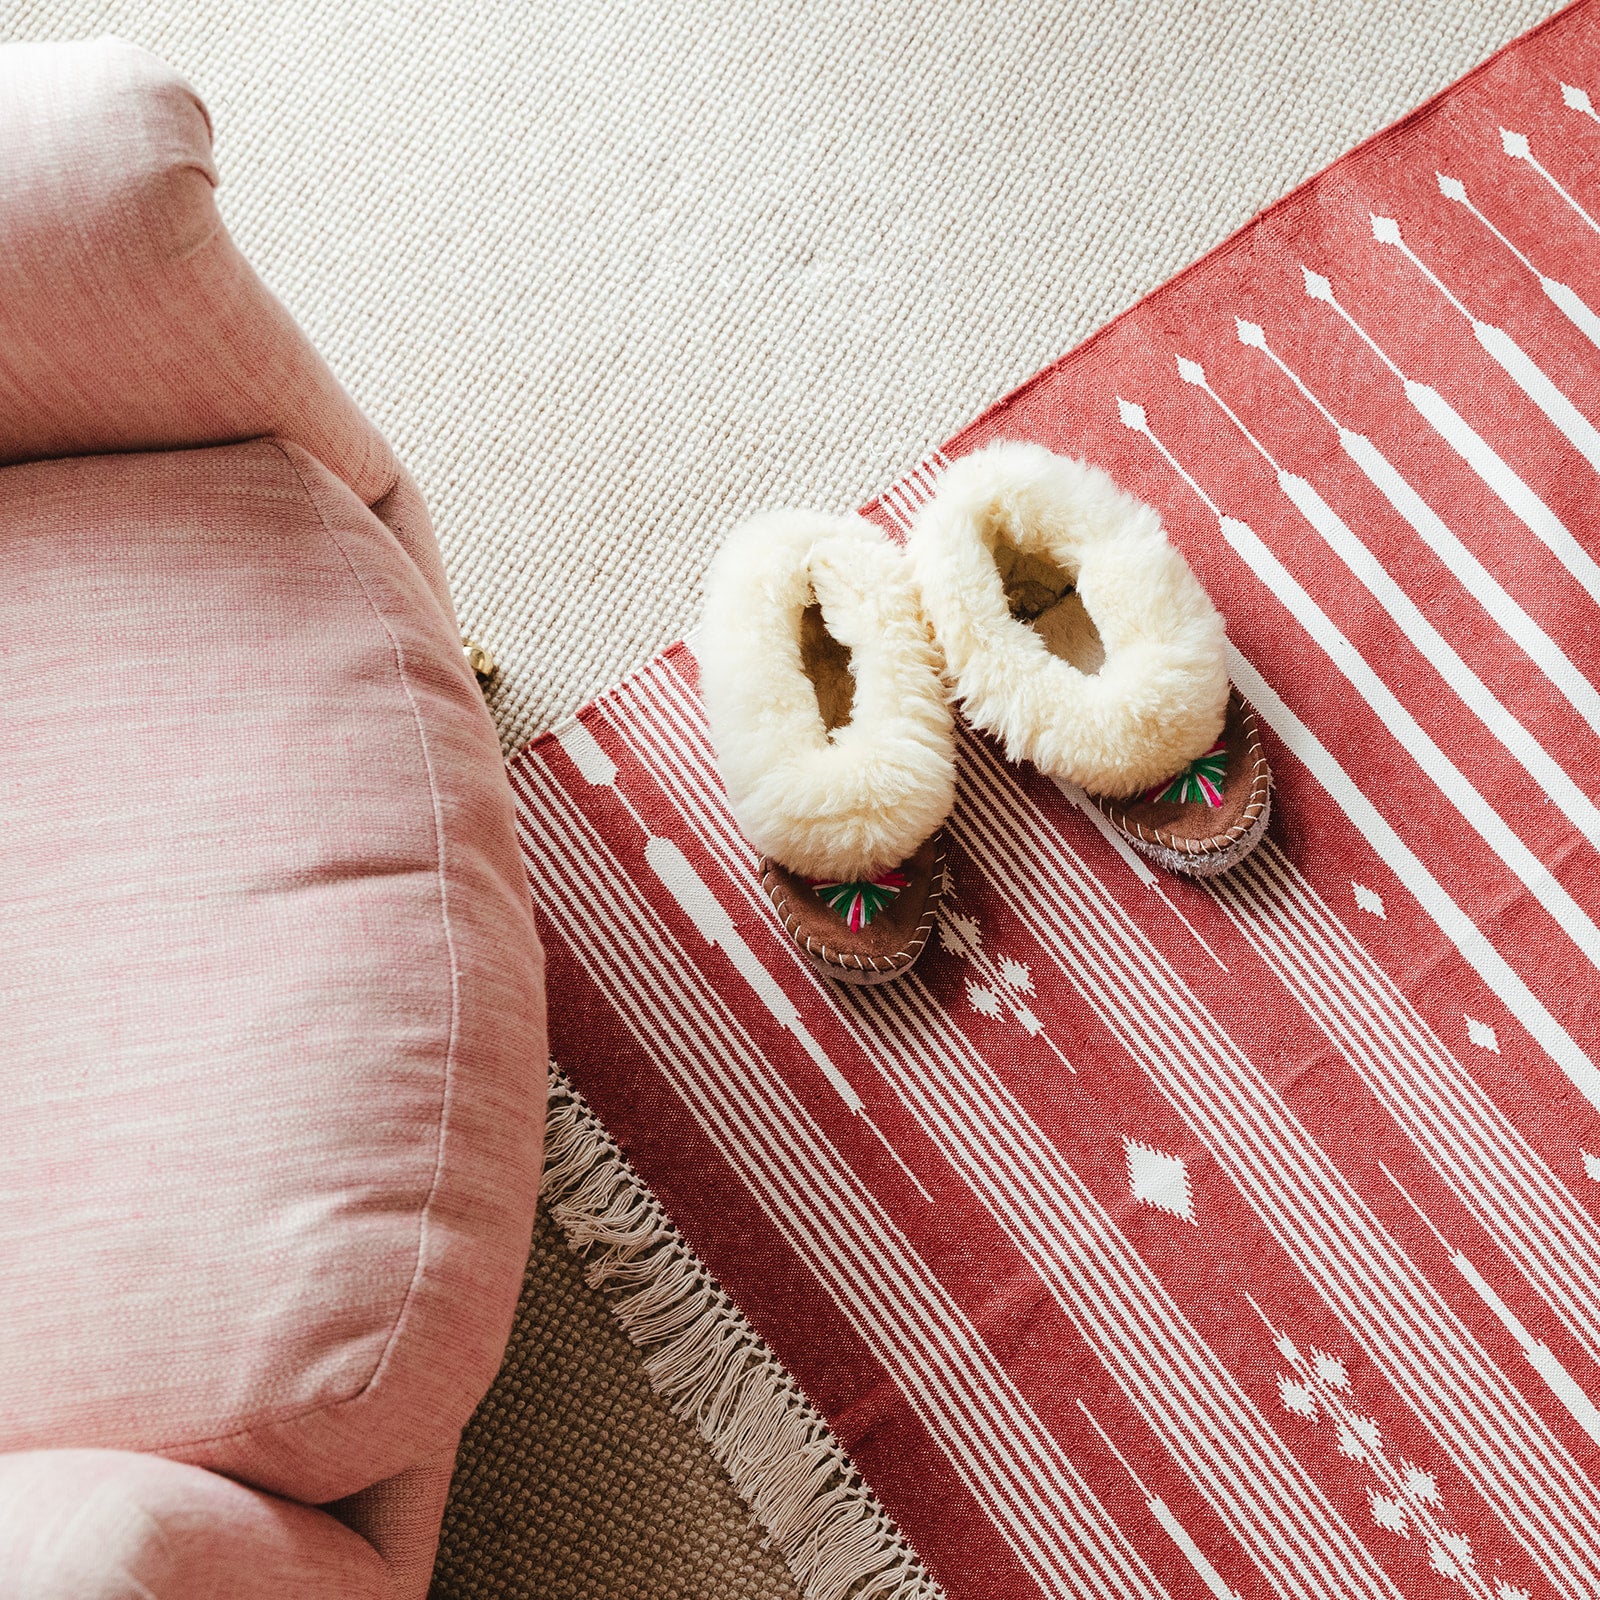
x,y
1077,635
833,734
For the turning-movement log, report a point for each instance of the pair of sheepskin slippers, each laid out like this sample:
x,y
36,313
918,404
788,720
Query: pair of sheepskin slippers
x,y
1068,627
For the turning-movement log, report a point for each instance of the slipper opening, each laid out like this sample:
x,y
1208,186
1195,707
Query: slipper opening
x,y
829,664
1044,596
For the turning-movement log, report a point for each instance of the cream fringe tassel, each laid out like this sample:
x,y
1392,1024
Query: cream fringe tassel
x,y
713,1369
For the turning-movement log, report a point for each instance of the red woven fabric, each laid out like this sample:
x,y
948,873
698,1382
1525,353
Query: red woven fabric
x,y
1170,1238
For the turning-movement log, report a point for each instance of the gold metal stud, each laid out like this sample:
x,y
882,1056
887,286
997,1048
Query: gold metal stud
x,y
479,659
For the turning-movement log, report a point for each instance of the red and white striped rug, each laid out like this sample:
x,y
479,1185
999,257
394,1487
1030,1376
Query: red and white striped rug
x,y
1240,1239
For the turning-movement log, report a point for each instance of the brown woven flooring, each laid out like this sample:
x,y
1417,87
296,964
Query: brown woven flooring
x,y
575,1482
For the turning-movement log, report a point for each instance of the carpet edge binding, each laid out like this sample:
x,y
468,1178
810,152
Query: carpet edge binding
x,y
703,1357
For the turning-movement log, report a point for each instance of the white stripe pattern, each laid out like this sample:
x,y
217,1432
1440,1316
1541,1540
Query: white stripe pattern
x,y
1566,299
1451,782
1539,647
1216,1586
1014,1469
1493,1171
1513,360
1430,894
1537,1353
1474,693
1160,1360
1497,1440
1517,147
1479,953
906,496
1475,450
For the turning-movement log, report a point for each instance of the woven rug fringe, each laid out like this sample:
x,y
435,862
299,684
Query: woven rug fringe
x,y
704,1358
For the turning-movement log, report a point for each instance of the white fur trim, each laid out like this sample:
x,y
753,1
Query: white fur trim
x,y
1160,697
862,800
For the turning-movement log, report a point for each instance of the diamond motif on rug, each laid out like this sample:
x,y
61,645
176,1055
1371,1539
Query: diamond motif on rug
x,y
1159,1180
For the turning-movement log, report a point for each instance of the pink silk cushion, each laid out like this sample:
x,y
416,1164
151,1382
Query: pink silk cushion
x,y
273,1053
104,1525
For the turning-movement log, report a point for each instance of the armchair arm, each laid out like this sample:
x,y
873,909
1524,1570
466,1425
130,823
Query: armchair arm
x,y
128,318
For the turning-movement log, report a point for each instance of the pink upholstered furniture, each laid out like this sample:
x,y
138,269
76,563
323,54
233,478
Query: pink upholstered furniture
x,y
271,1015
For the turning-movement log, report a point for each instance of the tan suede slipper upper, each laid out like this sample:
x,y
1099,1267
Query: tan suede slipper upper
x,y
1211,814
861,932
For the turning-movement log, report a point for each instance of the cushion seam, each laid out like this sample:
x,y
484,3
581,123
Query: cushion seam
x,y
445,927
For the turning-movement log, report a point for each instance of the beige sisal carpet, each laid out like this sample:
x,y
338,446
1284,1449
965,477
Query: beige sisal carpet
x,y
612,272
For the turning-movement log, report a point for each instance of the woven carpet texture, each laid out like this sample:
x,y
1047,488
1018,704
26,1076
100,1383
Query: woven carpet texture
x,y
611,275
573,1450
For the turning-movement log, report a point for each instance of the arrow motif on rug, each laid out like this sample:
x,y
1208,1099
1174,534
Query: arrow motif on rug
x,y
1476,695
1517,147
1473,576
1578,100
1475,450
1566,299
1517,365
